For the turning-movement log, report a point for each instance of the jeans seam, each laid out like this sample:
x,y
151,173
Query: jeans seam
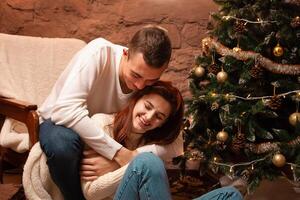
x,y
133,172
146,188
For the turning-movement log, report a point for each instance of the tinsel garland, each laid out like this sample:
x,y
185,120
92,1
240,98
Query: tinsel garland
x,y
262,147
210,43
294,2
270,146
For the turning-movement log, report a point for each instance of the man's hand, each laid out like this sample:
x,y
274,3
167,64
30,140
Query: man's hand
x,y
94,165
124,156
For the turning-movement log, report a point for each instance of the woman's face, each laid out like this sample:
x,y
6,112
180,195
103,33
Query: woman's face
x,y
150,111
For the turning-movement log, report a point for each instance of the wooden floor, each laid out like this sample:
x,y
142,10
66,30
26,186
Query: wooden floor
x,y
280,189
276,190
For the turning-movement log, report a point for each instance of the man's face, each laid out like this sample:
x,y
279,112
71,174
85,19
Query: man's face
x,y
136,74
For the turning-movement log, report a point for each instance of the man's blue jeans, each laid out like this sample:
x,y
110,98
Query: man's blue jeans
x,y
63,149
146,178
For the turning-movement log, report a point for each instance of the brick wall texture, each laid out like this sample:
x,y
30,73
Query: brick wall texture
x,y
115,20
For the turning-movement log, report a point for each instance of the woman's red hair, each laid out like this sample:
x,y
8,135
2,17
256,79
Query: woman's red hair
x,y
164,134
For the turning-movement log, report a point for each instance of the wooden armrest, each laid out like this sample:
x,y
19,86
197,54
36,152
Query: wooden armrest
x,y
16,109
23,112
23,105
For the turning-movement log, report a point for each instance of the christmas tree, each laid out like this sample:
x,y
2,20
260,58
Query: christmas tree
x,y
243,116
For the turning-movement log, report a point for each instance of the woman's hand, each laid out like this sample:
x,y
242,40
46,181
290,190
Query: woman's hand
x,y
94,165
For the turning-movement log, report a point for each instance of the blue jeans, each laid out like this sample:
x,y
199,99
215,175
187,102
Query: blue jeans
x,y
224,193
146,178
63,149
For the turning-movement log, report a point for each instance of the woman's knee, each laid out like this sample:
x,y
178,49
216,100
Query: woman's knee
x,y
149,162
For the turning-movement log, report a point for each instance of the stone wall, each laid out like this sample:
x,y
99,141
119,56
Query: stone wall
x,y
115,20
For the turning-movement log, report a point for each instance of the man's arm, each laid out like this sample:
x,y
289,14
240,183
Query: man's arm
x,y
124,156
94,165
97,165
70,105
165,152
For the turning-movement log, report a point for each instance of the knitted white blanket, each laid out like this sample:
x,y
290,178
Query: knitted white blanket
x,y
29,67
38,184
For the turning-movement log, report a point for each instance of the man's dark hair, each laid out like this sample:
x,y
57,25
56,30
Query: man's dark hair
x,y
155,45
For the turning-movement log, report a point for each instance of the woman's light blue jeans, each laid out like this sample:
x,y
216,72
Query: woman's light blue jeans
x,y
146,179
224,193
63,148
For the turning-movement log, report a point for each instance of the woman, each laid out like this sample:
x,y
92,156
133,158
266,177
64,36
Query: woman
x,y
153,116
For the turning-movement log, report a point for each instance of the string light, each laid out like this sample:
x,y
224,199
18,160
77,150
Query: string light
x,y
213,94
239,164
227,96
259,21
231,167
265,97
293,168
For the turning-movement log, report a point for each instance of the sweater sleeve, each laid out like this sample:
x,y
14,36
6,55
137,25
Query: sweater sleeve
x,y
104,186
70,108
165,152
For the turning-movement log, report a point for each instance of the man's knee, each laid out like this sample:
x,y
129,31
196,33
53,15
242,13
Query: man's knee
x,y
60,142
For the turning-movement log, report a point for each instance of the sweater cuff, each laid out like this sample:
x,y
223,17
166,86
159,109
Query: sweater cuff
x,y
147,148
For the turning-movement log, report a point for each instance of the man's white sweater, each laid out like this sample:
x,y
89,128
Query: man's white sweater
x,y
90,84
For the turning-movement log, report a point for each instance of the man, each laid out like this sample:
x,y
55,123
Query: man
x,y
99,79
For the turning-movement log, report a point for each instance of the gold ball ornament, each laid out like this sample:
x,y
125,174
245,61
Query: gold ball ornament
x,y
278,160
294,118
278,50
222,136
222,77
199,71
295,22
